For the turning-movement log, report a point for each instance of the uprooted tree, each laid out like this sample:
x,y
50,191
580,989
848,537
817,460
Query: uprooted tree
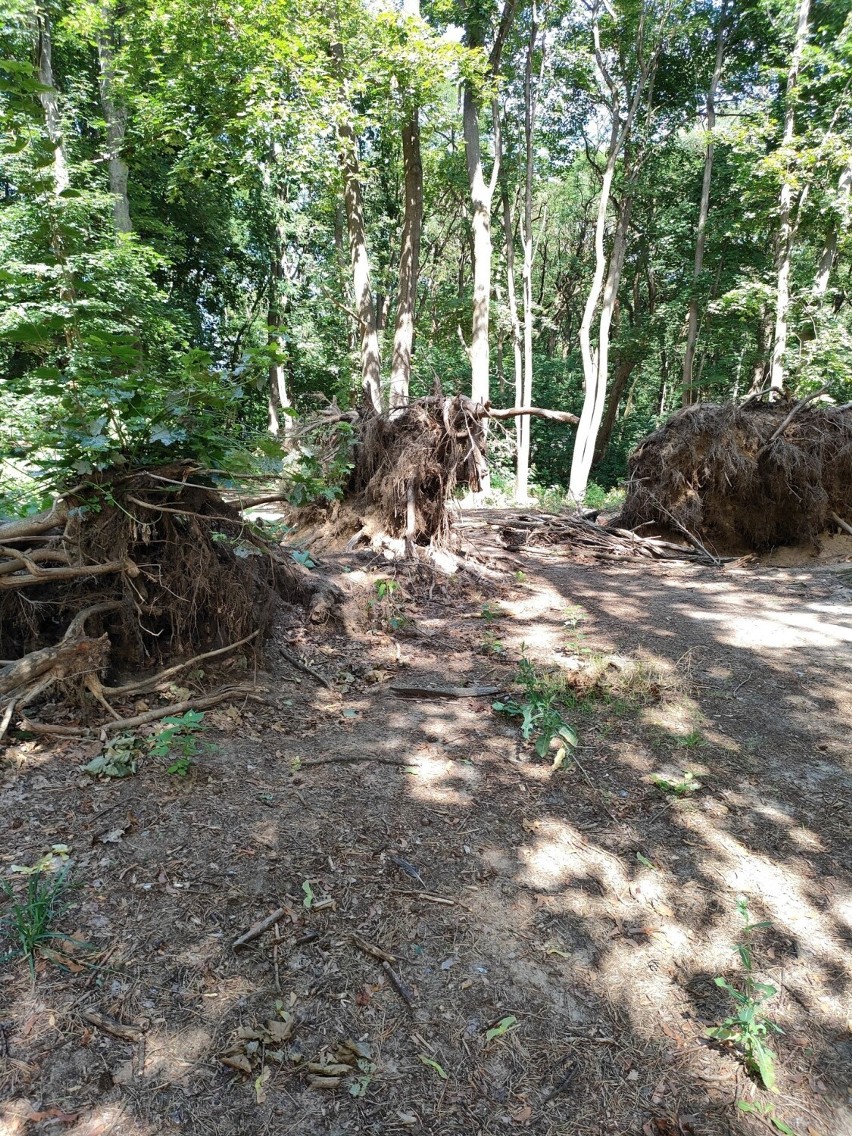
x,y
404,468
126,572
754,475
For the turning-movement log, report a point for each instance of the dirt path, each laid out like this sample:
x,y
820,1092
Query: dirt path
x,y
583,908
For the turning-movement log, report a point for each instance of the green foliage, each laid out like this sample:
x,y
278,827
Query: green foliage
x,y
30,920
177,734
678,788
767,1113
385,606
541,720
748,1027
118,758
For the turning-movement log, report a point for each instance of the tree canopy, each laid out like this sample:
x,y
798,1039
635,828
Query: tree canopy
x,y
216,219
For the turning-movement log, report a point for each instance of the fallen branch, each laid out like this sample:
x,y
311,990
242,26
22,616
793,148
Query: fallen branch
x,y
176,708
444,691
353,759
837,520
373,952
258,929
301,665
398,985
111,1026
562,416
145,685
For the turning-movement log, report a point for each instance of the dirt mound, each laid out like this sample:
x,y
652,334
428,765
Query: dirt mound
x,y
750,476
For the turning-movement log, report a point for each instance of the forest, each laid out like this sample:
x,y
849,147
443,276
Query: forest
x,y
425,567
217,220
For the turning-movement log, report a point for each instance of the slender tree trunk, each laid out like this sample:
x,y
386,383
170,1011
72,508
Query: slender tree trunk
x,y
523,466
517,342
49,102
409,261
115,116
624,368
703,213
370,361
279,396
481,193
61,179
785,205
583,450
608,304
829,249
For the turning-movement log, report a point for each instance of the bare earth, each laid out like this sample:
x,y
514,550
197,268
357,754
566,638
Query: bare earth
x,y
549,916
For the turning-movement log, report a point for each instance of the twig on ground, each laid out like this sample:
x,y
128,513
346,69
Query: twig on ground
x,y
202,703
144,685
111,1026
369,949
353,758
299,664
444,691
398,985
257,929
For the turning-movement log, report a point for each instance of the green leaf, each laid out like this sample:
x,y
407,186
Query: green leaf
x,y
765,1061
542,744
502,1027
433,1065
308,901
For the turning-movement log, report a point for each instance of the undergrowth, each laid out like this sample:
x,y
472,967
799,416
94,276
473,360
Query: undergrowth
x,y
748,1027
29,923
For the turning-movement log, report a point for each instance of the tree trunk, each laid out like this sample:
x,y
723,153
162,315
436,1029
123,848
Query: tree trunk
x,y
785,204
409,261
49,102
370,361
829,249
517,343
523,467
480,196
116,124
279,396
703,213
584,442
624,368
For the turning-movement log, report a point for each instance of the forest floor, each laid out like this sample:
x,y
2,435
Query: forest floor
x,y
587,905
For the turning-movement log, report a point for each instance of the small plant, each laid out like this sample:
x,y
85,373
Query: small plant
x,y
748,1028
386,608
117,759
178,733
181,767
491,645
521,577
766,1112
687,784
490,612
539,714
30,919
693,740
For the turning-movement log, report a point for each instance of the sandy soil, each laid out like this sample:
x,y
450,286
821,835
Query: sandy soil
x,y
585,904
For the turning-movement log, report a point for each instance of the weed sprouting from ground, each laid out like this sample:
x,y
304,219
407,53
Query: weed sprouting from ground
x,y
29,922
747,1029
541,719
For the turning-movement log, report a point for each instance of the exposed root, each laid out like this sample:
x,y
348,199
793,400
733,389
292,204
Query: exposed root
x,y
164,564
754,476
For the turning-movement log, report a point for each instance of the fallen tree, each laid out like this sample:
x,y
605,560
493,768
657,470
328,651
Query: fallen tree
x,y
406,465
127,572
750,476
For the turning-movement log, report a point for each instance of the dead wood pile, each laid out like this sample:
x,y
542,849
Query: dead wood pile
x,y
579,533
128,572
752,476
